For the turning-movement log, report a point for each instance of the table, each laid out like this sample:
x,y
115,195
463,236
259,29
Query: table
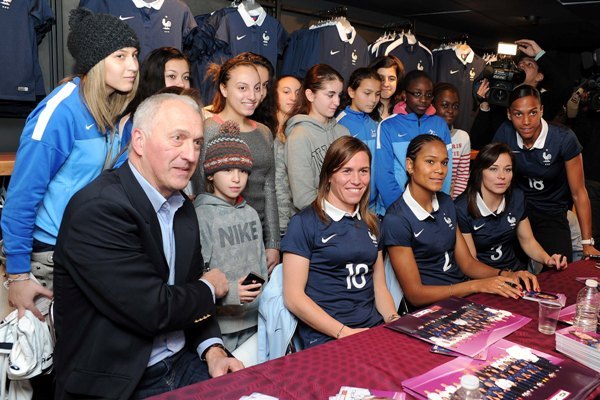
x,y
7,163
378,358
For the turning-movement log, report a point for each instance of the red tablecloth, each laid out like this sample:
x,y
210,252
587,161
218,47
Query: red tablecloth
x,y
378,358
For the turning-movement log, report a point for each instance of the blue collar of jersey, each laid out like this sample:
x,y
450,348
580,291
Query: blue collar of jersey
x,y
336,214
416,208
156,4
485,211
247,18
540,142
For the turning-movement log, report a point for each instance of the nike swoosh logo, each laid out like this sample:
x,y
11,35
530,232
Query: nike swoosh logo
x,y
327,239
333,53
418,234
240,37
87,127
453,72
124,18
402,134
476,228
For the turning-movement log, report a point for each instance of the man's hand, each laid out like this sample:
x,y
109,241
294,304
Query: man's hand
x,y
528,47
219,282
219,364
22,294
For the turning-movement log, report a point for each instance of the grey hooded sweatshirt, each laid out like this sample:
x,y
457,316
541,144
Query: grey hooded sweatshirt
x,y
307,141
231,238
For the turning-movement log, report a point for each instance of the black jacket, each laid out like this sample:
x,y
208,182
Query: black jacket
x,y
111,291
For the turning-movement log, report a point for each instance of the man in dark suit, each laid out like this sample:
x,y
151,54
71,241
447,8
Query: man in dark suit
x,y
134,315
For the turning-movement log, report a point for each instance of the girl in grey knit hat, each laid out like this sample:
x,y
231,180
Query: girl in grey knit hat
x,y
67,141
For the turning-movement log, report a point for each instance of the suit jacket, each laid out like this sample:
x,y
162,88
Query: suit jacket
x,y
111,291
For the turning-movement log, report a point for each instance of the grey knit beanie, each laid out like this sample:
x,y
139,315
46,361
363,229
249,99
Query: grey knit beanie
x,y
93,37
227,150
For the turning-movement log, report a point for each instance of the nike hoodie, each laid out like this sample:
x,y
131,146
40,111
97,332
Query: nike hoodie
x,y
305,147
231,237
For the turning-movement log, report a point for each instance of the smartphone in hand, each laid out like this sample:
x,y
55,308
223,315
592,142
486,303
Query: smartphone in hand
x,y
253,278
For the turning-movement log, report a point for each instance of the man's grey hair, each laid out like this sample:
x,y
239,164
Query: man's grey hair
x,y
148,109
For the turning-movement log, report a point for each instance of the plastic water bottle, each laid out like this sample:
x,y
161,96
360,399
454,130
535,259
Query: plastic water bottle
x,y
469,389
588,305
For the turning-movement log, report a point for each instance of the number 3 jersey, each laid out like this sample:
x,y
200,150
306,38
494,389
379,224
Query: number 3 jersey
x,y
340,275
494,233
540,171
432,236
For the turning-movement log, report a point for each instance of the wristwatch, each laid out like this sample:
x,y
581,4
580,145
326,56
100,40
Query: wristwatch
x,y
203,357
590,241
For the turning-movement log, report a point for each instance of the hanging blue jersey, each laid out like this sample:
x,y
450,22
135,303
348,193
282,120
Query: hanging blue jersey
x,y
363,127
300,54
432,237
262,35
494,233
414,56
20,23
540,171
450,68
340,275
166,26
342,50
393,136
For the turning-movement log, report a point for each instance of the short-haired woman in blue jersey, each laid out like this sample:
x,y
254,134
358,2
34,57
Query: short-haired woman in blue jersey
x,y
428,253
333,276
491,214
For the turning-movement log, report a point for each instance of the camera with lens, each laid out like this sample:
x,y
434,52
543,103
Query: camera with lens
x,y
503,75
591,86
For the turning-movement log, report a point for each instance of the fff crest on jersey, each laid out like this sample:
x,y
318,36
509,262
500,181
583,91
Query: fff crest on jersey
x,y
6,3
354,57
166,24
265,38
547,157
420,66
373,237
448,220
472,74
511,220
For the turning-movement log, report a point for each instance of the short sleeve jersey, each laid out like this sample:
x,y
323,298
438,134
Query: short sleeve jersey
x,y
264,35
541,171
340,275
432,237
494,234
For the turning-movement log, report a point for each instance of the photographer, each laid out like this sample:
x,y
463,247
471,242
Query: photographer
x,y
542,73
587,129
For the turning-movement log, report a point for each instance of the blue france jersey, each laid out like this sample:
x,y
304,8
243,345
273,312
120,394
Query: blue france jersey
x,y
432,237
264,36
344,54
20,23
363,127
414,56
540,171
494,234
168,26
340,275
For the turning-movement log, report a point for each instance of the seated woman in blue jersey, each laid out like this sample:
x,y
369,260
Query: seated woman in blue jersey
x,y
333,276
491,214
549,169
428,253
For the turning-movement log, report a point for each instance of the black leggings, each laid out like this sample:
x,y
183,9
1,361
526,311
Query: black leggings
x,y
552,231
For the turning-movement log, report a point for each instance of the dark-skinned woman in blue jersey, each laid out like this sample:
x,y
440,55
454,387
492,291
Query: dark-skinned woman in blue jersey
x,y
427,251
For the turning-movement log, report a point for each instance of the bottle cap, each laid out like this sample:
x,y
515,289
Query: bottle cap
x,y
591,283
469,382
